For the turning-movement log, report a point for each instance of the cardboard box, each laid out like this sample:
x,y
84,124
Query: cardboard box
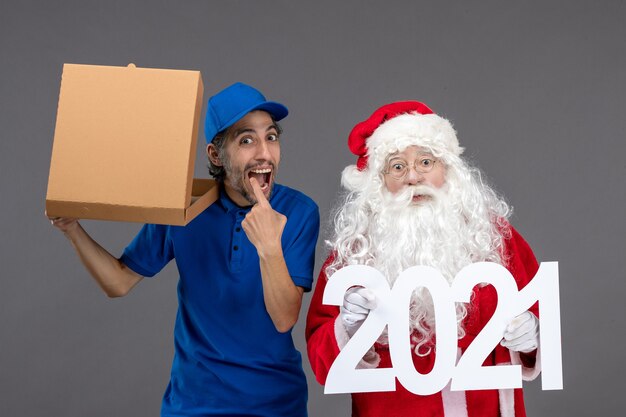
x,y
125,144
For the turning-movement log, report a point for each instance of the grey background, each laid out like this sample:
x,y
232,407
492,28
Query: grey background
x,y
535,89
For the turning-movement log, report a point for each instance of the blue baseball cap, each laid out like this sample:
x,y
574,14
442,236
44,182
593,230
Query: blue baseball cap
x,y
232,103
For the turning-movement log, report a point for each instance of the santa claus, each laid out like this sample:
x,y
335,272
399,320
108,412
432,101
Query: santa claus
x,y
412,200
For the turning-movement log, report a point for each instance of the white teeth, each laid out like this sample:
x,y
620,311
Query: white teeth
x,y
261,171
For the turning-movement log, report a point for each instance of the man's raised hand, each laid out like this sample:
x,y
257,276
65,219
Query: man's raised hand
x,y
263,225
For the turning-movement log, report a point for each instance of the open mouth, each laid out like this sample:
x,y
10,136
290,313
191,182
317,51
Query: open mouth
x,y
422,195
263,177
419,198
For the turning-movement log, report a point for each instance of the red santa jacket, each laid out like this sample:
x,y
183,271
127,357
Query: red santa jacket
x,y
323,328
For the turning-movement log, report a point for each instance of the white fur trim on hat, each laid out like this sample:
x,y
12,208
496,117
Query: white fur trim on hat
x,y
425,130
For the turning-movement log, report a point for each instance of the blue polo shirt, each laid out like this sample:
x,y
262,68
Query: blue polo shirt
x,y
229,358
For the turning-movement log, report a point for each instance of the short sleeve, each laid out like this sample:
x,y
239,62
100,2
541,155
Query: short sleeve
x,y
149,251
300,254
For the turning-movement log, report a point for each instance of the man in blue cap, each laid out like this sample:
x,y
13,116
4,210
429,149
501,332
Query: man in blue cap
x,y
244,264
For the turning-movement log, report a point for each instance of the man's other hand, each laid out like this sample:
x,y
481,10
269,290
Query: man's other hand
x,y
64,224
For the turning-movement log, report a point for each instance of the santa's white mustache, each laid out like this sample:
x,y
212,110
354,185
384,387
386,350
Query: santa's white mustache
x,y
425,190
407,194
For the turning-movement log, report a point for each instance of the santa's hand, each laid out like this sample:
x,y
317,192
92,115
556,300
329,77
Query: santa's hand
x,y
357,303
522,333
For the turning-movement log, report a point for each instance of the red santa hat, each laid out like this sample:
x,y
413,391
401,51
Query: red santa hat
x,y
395,126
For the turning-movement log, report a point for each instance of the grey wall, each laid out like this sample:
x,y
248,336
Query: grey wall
x,y
535,89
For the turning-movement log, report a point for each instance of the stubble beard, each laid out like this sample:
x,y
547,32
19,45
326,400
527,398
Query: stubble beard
x,y
237,178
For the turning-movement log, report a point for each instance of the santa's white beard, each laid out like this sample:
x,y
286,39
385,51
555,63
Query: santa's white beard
x,y
431,232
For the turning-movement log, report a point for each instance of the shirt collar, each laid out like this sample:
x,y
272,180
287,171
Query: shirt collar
x,y
226,203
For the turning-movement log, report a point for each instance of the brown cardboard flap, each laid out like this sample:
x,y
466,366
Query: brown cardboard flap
x,y
204,193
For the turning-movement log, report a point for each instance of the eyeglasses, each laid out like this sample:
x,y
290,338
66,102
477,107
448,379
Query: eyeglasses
x,y
398,169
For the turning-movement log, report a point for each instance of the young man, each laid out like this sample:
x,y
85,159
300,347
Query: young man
x,y
244,264
411,201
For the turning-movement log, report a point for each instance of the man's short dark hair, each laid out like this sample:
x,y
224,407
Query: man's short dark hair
x,y
218,172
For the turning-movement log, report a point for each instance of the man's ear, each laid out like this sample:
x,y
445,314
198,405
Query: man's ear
x,y
213,155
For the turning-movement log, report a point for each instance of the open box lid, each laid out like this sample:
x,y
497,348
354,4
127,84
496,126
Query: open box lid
x,y
125,145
